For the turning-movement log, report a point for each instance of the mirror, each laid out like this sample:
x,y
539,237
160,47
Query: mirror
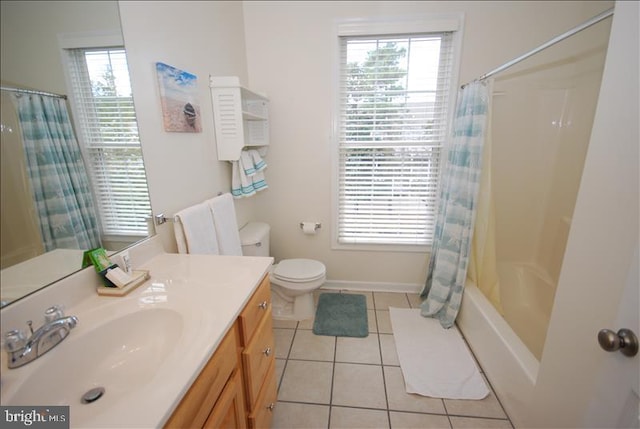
x,y
31,58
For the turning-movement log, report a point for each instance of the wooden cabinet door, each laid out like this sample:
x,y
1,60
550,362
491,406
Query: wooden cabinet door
x,y
196,405
229,410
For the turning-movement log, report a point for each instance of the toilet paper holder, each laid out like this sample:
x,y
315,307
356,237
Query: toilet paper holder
x,y
317,226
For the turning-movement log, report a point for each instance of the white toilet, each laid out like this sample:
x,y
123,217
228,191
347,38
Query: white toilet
x,y
292,280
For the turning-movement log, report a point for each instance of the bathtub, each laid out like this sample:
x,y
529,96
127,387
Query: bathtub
x,y
527,294
508,363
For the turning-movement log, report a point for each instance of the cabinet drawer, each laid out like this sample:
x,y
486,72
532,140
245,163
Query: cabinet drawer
x,y
263,412
257,357
196,405
256,308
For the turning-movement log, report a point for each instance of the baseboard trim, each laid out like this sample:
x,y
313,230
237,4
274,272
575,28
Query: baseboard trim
x,y
372,286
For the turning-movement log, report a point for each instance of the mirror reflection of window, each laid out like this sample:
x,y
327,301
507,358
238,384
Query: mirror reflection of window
x,y
106,124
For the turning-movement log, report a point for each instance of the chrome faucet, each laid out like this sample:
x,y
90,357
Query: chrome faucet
x,y
22,350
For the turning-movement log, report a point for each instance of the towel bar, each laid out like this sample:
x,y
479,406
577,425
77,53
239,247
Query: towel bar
x,y
159,219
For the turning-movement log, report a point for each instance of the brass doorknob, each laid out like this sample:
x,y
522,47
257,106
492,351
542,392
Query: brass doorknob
x,y
624,340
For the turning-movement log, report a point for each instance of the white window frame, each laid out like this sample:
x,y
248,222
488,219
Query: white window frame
x,y
92,40
432,23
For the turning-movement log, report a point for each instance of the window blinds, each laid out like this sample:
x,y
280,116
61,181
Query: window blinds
x,y
107,127
394,94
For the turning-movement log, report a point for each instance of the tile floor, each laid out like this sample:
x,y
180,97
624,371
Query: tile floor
x,y
338,382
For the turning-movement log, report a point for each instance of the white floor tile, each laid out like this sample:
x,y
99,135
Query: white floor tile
x,y
349,418
285,324
384,300
306,381
358,350
358,386
478,423
401,420
309,346
280,364
283,339
371,320
300,416
414,300
384,322
354,385
487,407
306,324
388,349
400,400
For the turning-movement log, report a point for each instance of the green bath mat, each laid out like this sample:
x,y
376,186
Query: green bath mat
x,y
341,315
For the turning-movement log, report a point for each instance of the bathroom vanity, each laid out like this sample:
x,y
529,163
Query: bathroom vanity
x,y
244,362
192,347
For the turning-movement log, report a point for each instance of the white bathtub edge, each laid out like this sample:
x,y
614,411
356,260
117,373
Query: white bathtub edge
x,y
508,365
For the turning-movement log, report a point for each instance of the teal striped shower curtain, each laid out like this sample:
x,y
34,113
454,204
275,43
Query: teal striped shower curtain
x,y
447,271
59,181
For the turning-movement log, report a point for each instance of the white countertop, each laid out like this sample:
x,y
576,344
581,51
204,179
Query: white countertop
x,y
207,291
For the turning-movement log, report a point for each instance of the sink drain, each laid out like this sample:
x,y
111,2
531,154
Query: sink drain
x,y
93,395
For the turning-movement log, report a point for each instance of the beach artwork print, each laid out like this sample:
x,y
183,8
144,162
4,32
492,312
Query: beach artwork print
x,y
178,96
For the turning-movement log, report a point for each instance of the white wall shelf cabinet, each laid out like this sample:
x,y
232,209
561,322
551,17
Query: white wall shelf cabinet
x,y
241,117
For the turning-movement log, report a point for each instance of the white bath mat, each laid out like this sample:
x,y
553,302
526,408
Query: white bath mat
x,y
435,361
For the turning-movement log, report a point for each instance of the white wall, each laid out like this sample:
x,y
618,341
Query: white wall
x,y
30,51
202,38
290,57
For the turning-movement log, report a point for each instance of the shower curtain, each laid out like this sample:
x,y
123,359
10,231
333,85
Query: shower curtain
x,y
59,182
447,271
482,269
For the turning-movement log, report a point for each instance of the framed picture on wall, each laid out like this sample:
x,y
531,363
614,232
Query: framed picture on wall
x,y
179,99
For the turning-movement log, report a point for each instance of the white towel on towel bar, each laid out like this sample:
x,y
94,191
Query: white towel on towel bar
x,y
258,162
199,230
178,231
241,185
247,175
247,163
224,217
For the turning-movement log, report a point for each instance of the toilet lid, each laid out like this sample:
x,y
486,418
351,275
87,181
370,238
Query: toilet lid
x,y
299,270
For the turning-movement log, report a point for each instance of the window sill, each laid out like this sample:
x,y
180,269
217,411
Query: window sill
x,y
391,248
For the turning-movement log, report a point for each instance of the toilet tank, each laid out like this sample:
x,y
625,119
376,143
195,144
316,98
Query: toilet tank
x,y
254,238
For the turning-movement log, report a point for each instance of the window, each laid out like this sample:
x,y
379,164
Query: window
x,y
393,119
107,127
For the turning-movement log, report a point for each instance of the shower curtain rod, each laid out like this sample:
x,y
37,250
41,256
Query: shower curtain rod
x,y
585,25
31,91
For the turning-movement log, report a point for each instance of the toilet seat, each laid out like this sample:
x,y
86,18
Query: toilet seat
x,y
299,270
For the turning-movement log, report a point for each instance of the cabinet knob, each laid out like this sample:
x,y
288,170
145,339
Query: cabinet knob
x,y
263,305
271,406
267,351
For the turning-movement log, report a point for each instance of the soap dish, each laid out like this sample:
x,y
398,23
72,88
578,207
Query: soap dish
x,y
139,277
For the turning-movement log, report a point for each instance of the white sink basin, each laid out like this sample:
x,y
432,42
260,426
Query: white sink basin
x,y
145,349
121,355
